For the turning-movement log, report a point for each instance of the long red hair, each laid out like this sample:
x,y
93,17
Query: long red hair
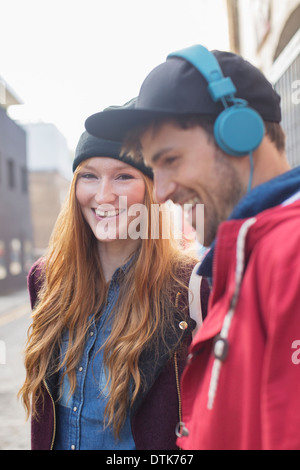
x,y
74,288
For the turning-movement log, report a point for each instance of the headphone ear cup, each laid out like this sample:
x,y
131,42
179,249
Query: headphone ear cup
x,y
238,130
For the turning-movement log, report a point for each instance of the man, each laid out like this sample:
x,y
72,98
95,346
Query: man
x,y
241,385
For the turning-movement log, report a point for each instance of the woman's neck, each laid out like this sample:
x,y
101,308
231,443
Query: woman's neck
x,y
115,254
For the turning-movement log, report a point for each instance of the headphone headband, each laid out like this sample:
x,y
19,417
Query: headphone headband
x,y
218,85
239,129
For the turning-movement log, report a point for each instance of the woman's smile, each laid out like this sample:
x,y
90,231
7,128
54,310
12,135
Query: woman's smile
x,y
105,213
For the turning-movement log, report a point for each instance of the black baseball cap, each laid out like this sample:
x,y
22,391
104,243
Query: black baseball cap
x,y
90,146
176,87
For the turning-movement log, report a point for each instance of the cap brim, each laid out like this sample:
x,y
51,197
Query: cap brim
x,y
115,124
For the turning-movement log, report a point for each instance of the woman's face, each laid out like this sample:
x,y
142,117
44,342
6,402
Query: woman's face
x,y
106,188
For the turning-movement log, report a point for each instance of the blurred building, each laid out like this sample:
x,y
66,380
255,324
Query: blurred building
x,y
49,165
267,33
15,218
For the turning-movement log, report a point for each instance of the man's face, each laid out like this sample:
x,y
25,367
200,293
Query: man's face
x,y
190,169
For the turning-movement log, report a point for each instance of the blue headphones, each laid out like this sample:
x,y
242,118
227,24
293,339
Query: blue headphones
x,y
239,129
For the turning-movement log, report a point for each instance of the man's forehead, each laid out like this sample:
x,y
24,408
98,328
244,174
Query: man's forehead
x,y
155,142
154,132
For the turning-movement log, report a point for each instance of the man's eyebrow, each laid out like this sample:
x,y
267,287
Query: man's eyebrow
x,y
159,154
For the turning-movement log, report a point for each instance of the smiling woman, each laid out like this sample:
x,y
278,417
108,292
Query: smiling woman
x,y
106,189
111,321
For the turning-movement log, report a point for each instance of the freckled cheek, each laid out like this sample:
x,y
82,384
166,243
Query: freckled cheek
x,y
83,196
136,195
133,192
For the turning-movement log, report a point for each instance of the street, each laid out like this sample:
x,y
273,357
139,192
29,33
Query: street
x,y
14,323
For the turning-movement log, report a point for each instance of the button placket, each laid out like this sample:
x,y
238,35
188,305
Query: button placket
x,y
77,400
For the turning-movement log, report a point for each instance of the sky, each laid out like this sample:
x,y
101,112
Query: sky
x,y
67,59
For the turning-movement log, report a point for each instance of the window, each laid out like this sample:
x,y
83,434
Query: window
x,y
3,271
11,174
15,266
28,257
24,180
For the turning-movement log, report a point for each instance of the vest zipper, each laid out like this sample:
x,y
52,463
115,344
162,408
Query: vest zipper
x,y
54,414
177,386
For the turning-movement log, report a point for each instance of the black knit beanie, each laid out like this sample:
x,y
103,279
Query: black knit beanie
x,y
90,146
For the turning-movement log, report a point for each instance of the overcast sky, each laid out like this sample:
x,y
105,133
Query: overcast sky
x,y
67,59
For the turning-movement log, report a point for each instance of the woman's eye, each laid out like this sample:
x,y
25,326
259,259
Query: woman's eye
x,y
125,177
87,176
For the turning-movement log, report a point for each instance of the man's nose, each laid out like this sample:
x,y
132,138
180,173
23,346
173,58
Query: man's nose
x,y
163,187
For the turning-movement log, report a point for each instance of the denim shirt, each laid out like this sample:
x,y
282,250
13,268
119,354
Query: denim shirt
x,y
80,418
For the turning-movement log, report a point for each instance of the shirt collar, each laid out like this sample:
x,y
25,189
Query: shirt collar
x,y
122,270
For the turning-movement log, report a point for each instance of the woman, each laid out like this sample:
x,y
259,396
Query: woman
x,y
110,323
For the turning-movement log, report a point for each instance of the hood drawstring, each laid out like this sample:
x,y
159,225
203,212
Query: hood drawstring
x,y
221,341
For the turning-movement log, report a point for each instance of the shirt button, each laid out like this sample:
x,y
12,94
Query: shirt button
x,y
75,408
91,333
183,325
72,447
80,369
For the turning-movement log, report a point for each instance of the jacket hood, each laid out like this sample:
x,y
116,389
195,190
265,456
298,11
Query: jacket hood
x,y
262,197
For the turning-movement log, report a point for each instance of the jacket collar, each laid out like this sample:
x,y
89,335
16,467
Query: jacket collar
x,y
262,197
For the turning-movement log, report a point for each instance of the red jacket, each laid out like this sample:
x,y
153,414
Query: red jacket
x,y
250,398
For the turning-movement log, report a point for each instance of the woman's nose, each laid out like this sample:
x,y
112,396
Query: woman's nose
x,y
105,192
